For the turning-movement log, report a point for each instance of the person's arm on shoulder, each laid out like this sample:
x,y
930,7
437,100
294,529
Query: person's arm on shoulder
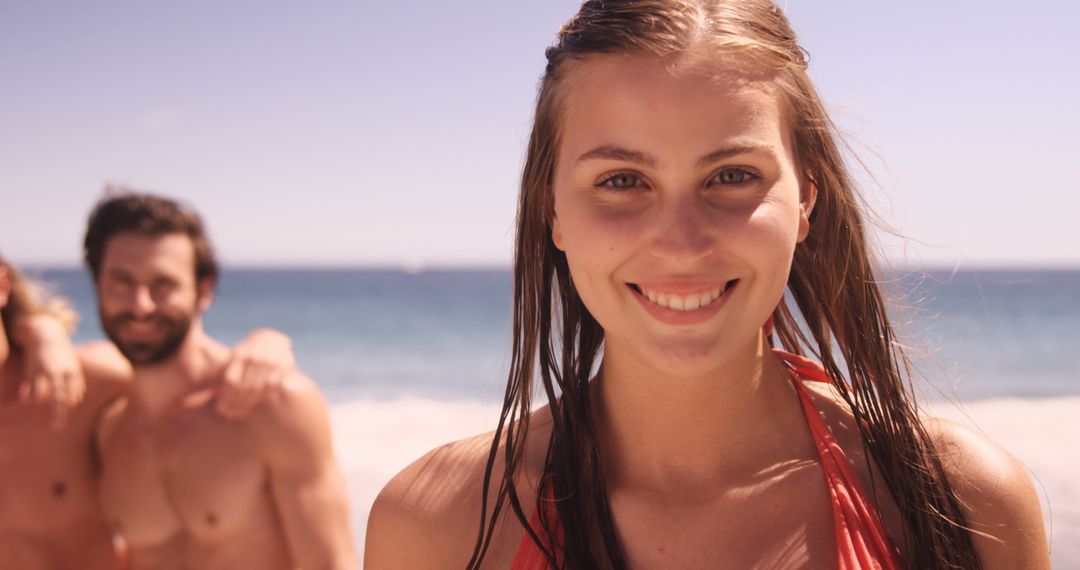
x,y
108,374
998,498
307,484
255,372
50,365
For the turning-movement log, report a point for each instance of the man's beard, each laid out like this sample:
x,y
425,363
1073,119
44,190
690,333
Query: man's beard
x,y
147,353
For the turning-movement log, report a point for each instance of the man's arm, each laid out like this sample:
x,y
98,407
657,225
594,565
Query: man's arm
x,y
258,367
50,365
308,488
54,370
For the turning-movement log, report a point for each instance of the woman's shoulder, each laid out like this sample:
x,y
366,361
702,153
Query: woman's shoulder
x,y
428,515
438,487
993,487
996,493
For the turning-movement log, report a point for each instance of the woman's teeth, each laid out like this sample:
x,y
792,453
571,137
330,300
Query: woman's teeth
x,y
688,302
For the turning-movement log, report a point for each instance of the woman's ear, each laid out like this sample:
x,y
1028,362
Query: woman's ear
x,y
556,233
807,198
556,229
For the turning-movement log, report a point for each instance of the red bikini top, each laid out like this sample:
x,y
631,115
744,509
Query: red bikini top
x,y
861,541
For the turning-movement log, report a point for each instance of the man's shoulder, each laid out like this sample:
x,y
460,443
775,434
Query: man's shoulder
x,y
297,399
108,374
102,362
291,425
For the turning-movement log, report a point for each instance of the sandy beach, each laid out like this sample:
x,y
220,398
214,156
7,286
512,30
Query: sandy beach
x,y
376,439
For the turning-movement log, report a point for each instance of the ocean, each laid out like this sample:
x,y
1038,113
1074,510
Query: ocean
x,y
378,334
409,361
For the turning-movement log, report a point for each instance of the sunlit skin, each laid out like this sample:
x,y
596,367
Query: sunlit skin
x,y
701,195
674,185
681,189
146,309
678,184
51,517
183,486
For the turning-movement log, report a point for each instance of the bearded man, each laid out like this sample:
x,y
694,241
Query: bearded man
x,y
185,488
51,397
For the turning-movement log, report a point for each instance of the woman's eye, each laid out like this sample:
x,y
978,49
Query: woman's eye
x,y
621,181
735,176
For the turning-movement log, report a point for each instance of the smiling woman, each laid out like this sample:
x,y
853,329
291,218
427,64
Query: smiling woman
x,y
674,185
682,176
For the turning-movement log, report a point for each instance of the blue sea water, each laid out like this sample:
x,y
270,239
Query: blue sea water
x,y
445,334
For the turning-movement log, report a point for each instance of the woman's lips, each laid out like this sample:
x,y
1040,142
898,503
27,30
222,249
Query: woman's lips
x,y
683,304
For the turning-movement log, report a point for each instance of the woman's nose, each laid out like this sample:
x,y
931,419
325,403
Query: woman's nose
x,y
683,231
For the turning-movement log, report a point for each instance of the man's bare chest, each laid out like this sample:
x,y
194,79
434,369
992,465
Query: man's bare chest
x,y
190,473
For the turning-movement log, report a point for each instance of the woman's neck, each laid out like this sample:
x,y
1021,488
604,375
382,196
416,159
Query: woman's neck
x,y
682,432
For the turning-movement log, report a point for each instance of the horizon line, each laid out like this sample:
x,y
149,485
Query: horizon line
x,y
413,267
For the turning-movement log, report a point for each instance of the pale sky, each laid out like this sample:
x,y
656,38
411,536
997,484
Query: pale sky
x,y
349,133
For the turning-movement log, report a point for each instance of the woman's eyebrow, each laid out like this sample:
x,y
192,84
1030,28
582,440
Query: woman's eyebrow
x,y
736,150
611,152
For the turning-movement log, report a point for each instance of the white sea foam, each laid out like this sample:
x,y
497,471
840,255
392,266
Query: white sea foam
x,y
375,440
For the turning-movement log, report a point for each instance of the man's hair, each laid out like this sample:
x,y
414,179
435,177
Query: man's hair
x,y
127,211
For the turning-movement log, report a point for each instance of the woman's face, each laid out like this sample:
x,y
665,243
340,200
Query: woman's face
x,y
678,206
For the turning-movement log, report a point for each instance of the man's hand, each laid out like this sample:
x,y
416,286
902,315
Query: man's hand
x,y
51,369
259,366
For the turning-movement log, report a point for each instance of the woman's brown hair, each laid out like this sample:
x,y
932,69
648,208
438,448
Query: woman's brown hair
x,y
832,283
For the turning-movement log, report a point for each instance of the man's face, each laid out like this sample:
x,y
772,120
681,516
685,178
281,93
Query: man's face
x,y
147,294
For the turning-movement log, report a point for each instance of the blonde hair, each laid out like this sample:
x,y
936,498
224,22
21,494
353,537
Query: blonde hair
x,y
28,298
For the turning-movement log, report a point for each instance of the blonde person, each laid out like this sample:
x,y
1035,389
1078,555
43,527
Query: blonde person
x,y
681,177
51,396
